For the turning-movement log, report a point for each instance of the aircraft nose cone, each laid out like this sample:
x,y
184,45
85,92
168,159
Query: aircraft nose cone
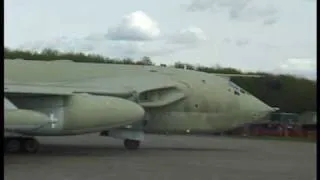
x,y
265,108
256,109
262,110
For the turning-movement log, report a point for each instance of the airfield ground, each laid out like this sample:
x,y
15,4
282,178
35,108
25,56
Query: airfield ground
x,y
92,157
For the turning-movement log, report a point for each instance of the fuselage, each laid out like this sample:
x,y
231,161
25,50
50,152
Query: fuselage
x,y
211,103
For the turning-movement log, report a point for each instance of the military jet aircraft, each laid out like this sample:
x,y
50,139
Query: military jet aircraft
x,y
61,98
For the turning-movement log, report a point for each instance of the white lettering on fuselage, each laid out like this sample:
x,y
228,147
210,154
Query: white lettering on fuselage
x,y
53,120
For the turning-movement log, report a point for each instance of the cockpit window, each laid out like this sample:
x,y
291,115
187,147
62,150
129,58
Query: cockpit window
x,y
233,85
236,88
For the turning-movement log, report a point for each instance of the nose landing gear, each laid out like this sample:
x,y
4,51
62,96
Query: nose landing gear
x,y
131,144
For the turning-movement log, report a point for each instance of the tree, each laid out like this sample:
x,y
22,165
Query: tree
x,y
180,65
127,61
145,60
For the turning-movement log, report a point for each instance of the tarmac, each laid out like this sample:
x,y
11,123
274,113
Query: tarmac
x,y
161,157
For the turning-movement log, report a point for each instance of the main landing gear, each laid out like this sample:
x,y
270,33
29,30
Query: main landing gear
x,y
131,144
21,145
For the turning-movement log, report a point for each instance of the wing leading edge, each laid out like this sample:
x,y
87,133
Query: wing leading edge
x,y
160,92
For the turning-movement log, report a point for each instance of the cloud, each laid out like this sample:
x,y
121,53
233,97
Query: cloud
x,y
191,35
238,42
242,42
199,5
237,9
299,66
139,49
70,44
98,44
270,21
118,49
137,26
136,35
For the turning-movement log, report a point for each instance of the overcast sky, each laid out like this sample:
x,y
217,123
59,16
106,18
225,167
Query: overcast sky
x,y
252,35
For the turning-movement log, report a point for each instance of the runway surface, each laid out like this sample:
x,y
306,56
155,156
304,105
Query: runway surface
x,y
91,157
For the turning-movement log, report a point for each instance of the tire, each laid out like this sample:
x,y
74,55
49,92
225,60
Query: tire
x,y
131,144
30,145
12,145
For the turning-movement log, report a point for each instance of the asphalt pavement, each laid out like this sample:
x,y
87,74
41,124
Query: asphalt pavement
x,y
91,157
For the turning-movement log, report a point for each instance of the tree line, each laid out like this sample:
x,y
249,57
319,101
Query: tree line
x,y
289,93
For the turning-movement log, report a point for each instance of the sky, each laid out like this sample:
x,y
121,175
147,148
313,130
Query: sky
x,y
275,36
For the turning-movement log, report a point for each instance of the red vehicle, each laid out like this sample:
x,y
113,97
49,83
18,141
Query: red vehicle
x,y
276,130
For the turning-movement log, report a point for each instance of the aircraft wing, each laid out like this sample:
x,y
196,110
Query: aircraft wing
x,y
228,76
38,101
147,91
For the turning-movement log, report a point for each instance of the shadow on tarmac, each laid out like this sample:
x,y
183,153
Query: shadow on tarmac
x,y
98,151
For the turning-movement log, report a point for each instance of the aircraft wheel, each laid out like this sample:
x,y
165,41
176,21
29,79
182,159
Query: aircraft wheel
x,y
30,145
12,145
131,144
